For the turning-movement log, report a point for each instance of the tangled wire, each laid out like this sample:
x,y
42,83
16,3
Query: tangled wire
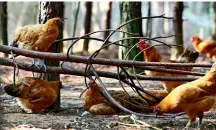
x,y
122,75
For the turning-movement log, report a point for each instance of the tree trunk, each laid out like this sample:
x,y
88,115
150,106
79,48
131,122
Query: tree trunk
x,y
3,17
128,11
50,10
108,22
178,28
87,25
214,25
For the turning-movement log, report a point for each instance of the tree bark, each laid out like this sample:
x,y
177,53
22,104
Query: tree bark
x,y
128,11
87,25
214,24
4,17
50,10
178,29
108,22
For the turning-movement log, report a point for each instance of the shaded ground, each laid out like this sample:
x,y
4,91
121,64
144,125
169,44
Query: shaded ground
x,y
69,116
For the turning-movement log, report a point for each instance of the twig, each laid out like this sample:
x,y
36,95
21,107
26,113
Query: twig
x,y
136,125
16,69
111,99
124,88
171,71
104,44
144,91
133,86
149,39
160,16
147,125
88,34
128,38
90,38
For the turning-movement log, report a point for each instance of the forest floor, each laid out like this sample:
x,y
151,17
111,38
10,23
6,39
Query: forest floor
x,y
11,115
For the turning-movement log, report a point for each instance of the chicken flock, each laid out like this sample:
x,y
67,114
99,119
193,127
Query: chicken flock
x,y
194,98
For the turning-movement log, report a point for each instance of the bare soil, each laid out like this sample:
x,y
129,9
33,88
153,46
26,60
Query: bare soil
x,y
11,115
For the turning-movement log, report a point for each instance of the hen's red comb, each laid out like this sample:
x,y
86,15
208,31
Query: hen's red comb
x,y
91,81
154,108
142,44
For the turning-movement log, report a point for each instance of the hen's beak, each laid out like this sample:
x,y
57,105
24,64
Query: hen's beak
x,y
62,20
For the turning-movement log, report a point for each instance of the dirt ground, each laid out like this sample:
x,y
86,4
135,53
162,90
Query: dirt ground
x,y
69,117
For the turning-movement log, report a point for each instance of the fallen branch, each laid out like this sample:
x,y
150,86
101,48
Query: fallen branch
x,y
81,72
114,62
86,60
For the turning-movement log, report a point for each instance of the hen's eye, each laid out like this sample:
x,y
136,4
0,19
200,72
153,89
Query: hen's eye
x,y
56,22
89,84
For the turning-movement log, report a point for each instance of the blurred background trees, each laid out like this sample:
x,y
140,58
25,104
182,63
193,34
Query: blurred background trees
x,y
87,27
198,19
76,9
108,21
3,23
214,18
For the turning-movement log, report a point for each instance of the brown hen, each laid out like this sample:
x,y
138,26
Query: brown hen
x,y
193,98
152,55
34,94
97,104
38,37
206,47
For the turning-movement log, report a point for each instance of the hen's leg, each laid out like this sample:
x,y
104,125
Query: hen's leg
x,y
192,118
200,121
42,64
34,64
188,124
